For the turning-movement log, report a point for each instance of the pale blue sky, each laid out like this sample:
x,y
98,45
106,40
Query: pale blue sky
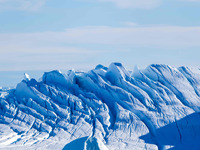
x,y
79,34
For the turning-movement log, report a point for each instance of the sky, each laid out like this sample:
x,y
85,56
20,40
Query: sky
x,y
45,35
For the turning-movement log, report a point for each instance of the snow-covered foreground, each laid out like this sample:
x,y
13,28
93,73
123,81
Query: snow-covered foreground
x,y
105,108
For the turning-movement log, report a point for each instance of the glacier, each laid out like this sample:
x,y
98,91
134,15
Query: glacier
x,y
156,108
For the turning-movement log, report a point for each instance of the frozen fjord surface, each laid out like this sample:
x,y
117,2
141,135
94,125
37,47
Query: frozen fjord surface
x,y
105,108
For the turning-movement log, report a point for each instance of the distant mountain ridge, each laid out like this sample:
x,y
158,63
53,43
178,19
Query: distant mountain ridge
x,y
104,108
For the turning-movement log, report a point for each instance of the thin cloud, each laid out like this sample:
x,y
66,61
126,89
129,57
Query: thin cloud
x,y
190,0
51,49
145,4
34,5
130,24
22,5
141,4
152,36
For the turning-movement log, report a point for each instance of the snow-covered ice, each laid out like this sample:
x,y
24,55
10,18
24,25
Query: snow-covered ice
x,y
104,108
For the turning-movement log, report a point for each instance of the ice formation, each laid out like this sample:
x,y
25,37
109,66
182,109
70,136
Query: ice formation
x,y
104,108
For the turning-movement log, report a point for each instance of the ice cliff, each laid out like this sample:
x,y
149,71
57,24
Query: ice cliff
x,y
104,108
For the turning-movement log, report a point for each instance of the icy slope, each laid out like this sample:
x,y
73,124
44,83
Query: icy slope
x,y
105,108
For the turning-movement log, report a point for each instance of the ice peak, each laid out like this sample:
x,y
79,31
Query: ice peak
x,y
26,77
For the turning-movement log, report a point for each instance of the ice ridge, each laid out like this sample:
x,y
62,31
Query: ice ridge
x,y
104,108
